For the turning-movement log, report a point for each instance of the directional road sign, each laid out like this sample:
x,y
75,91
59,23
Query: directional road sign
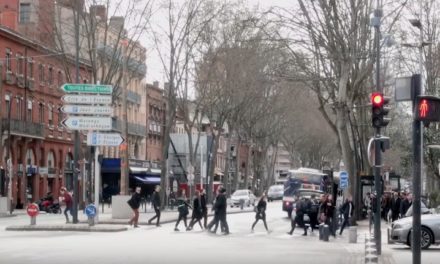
x,y
104,139
87,99
343,180
86,88
90,210
87,109
88,123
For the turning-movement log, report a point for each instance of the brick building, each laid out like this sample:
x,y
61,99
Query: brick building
x,y
41,149
156,111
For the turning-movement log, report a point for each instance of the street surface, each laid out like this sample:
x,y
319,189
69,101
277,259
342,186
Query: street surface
x,y
149,244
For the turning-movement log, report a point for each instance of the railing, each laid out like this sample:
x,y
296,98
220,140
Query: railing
x,y
133,129
24,128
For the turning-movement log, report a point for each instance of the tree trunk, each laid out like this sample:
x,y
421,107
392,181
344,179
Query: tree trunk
x,y
237,166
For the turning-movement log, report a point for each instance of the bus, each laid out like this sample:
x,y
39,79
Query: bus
x,y
307,180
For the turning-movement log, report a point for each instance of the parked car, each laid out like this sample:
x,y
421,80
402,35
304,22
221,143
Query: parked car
x,y
430,233
275,192
246,195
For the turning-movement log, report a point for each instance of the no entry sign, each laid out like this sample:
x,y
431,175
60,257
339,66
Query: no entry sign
x,y
32,210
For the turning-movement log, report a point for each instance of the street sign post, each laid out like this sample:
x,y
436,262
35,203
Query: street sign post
x,y
90,211
87,88
86,99
32,210
88,123
87,110
343,180
104,139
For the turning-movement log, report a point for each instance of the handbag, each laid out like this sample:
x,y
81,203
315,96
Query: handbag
x,y
322,218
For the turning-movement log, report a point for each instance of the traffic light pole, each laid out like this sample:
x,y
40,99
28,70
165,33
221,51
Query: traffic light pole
x,y
417,174
377,149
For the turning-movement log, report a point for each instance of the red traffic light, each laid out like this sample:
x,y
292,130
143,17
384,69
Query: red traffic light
x,y
428,108
377,99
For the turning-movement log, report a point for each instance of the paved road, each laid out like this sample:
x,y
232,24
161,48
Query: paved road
x,y
149,244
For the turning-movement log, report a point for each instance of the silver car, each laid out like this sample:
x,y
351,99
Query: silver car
x,y
275,192
401,230
245,196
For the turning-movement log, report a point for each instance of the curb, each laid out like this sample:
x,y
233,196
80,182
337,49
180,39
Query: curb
x,y
7,215
78,228
370,250
165,221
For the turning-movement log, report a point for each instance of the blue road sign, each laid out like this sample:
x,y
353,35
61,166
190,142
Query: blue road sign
x,y
90,210
343,180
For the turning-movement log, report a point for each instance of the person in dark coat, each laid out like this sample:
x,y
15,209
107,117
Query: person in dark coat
x,y
299,216
156,205
197,212
347,209
182,207
405,204
395,207
135,203
220,213
261,212
204,208
330,209
313,214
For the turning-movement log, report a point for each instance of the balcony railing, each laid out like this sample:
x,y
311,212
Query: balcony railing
x,y
133,97
133,129
133,65
24,128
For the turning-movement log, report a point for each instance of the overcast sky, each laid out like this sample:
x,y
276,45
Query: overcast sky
x,y
155,70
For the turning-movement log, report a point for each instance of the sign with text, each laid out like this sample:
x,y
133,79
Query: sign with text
x,y
88,123
104,139
87,88
87,109
87,99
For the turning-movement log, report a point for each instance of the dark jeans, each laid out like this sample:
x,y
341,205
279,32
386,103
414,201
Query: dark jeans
x,y
194,220
205,218
65,213
134,220
344,224
215,222
262,217
313,221
157,211
182,217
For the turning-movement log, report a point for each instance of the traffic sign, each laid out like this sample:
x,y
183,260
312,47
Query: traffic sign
x,y
87,99
87,88
90,210
343,180
104,139
88,123
32,210
87,109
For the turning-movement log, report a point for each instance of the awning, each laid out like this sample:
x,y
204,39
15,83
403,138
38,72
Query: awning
x,y
138,170
148,180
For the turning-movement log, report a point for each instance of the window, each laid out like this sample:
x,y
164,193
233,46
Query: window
x,y
41,73
41,113
50,76
19,108
29,111
8,60
25,12
30,70
60,116
19,64
8,103
50,114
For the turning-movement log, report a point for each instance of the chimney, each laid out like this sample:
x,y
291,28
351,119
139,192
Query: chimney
x,y
117,22
99,11
156,84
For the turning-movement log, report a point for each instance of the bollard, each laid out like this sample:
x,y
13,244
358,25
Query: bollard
x,y
33,220
352,234
91,221
325,233
321,231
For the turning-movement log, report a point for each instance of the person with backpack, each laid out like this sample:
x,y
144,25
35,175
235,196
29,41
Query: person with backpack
x,y
182,207
135,203
314,212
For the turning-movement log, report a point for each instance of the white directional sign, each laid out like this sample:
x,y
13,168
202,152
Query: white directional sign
x,y
88,123
87,88
104,139
87,109
87,99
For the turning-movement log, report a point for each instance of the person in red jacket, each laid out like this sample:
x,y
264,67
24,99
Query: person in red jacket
x,y
67,199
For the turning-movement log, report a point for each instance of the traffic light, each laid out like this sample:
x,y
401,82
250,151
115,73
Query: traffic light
x,y
428,108
380,110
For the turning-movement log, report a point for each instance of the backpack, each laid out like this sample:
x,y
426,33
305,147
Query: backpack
x,y
315,208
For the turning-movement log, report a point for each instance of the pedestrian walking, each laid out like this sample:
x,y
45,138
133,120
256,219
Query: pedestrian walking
x,y
395,207
67,199
182,208
405,204
197,213
156,205
220,213
261,212
204,208
299,217
314,211
135,203
347,210
330,210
